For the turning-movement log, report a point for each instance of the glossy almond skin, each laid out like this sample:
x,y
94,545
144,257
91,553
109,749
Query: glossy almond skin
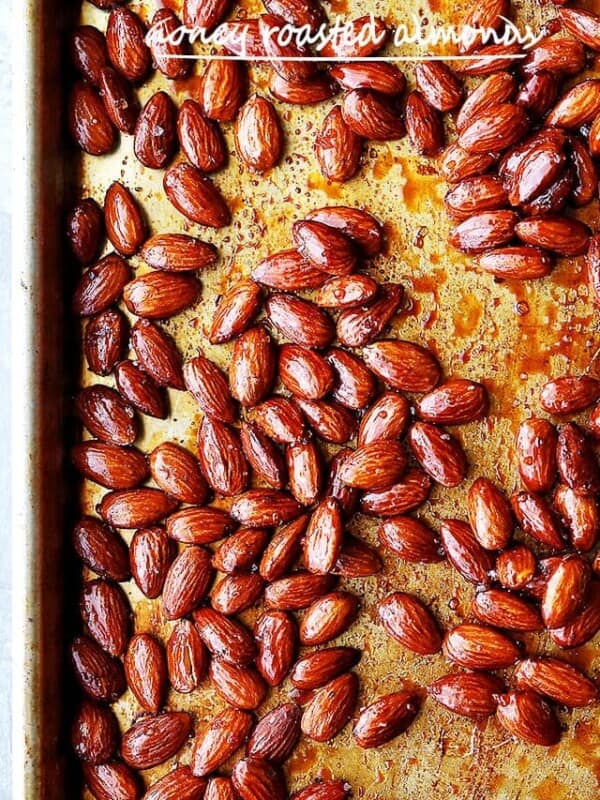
x,y
199,525
87,48
505,610
241,551
357,559
159,295
200,138
110,466
455,402
146,671
441,88
100,286
179,784
176,471
583,24
89,124
359,326
561,235
219,788
410,539
254,778
580,515
224,734
84,229
528,717
355,223
187,582
475,195
234,593
252,367
469,694
569,394
327,248
235,311
330,708
101,549
241,687
221,458
384,719
135,508
283,549
152,740
321,666
139,389
386,418
123,219
297,12
538,93
297,591
187,657
208,385
112,780
481,232
99,675
276,635
106,613
497,88
565,591
584,625
315,90
372,116
378,76
94,733
515,567
338,148
405,496
346,291
355,384
155,135
225,638
305,373
262,455
578,105
517,263
456,164
465,553
557,680
104,340
404,365
439,453
324,536
408,621
127,49
576,460
536,454
375,466
258,135
557,54
195,196
289,271
165,23
119,100
479,647
352,47
535,517
258,508
289,59
223,90
300,321
533,167
324,790
150,554
490,516
495,129
346,496
328,617
490,58
424,125
176,252
276,734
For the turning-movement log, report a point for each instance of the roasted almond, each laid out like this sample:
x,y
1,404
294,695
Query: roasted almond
x,y
241,687
375,466
140,390
177,252
254,778
476,195
536,454
258,508
456,164
297,591
385,718
146,671
289,59
328,617
441,88
505,610
155,136
276,634
326,247
405,496
135,508
84,227
454,403
94,733
538,93
252,367
236,310
165,50
494,129
355,223
357,559
580,515
557,680
176,471
123,219
150,554
110,466
568,394
101,549
152,740
288,270
528,717
179,784
316,89
114,779
100,286
372,115
305,373
386,418
497,88
225,638
584,625
187,657
262,455
439,453
187,582
276,734
219,788
465,553
565,591
283,549
105,610
195,196
354,384
125,41
424,125
330,708
516,567
324,790
258,134
106,415
489,515
359,326
223,89
558,54
221,458
517,263
222,736
479,647
535,517
234,593
378,76
324,536
576,460
199,525
300,321
338,148
87,48
100,675
470,694
346,291
408,621
321,666
241,551
484,231
410,539
583,24
89,124
119,100
104,340
562,235
209,388
404,365
158,295
578,105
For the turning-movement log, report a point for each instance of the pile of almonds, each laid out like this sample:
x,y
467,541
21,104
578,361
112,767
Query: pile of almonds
x,y
263,501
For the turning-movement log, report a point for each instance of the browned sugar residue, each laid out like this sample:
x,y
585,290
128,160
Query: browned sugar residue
x,y
317,181
467,316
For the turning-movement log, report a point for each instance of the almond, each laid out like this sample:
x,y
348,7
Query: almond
x,y
515,567
528,717
317,89
84,229
534,166
152,740
159,295
94,733
123,219
297,591
441,88
195,196
505,610
424,125
538,93
517,263
276,634
258,134
283,549
146,671
276,734
354,384
470,694
262,455
187,582
326,247
372,116
155,136
338,148
176,471
454,403
535,516
100,286
104,340
583,626
578,105
105,610
87,47
300,321
346,496
479,647
258,508
580,515
304,373
491,58
241,551
324,790
166,23
225,638
297,12
202,14
375,466
330,708
187,658
241,687
252,367
179,784
100,675
89,124
565,591
254,779
101,549
289,60
209,388
403,365
119,100
562,235
356,223
387,418
288,270
495,129
439,453
235,593
484,231
489,515
223,89
408,621
497,88
557,680
410,539
457,165
576,460
236,310
536,454
324,536
568,394
346,291
220,789
378,76
328,617
218,741
150,554
384,719
476,195
409,494
558,54
321,666
357,559
487,14
125,41
112,780
221,458
358,327
109,465
136,508
199,525
583,24
140,390
176,252
465,553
